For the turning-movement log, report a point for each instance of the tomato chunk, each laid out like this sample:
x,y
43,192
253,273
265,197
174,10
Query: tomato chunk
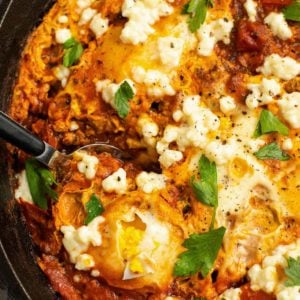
x,y
251,36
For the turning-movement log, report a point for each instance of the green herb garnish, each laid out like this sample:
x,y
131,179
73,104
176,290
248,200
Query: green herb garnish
x,y
292,11
269,123
122,97
292,271
72,53
202,251
197,9
271,151
206,189
94,208
40,180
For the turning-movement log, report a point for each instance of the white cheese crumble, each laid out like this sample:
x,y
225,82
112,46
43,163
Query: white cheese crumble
x,y
116,182
289,106
149,182
82,4
269,276
278,25
99,25
231,294
87,16
251,9
62,35
141,15
197,122
263,93
287,144
109,90
284,68
227,105
157,83
62,73
23,192
210,34
148,129
74,126
77,241
63,19
87,165
170,50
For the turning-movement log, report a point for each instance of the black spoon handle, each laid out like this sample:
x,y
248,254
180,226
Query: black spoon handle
x,y
19,136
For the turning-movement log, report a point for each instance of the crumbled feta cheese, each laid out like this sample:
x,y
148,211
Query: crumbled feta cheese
x,y
87,165
157,83
95,273
148,129
227,105
99,25
263,93
231,294
287,144
141,15
74,126
149,182
177,115
109,89
169,157
210,34
84,262
82,4
77,242
220,153
269,276
23,192
63,19
284,68
116,182
62,35
170,50
197,122
251,9
87,16
278,25
289,106
62,73
263,278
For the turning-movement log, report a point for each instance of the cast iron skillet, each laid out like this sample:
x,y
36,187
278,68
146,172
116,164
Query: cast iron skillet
x,y
23,278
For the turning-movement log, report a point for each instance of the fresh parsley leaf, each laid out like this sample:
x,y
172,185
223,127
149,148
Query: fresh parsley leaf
x,y
292,271
271,151
206,189
197,9
72,53
269,123
122,96
94,208
202,251
292,12
40,180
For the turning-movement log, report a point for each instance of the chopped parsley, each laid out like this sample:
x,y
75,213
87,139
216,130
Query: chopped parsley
x,y
201,253
269,123
206,189
40,180
197,10
292,271
122,97
292,11
271,151
72,52
94,208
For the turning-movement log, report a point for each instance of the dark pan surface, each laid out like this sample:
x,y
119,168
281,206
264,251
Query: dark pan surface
x,y
20,276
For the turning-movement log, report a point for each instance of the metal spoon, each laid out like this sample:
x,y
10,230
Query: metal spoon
x,y
17,135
